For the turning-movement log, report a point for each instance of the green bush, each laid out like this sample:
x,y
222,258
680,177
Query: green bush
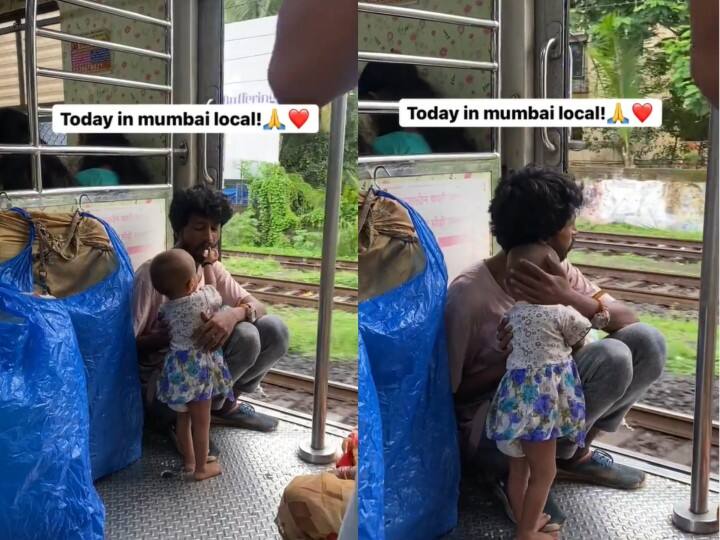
x,y
241,229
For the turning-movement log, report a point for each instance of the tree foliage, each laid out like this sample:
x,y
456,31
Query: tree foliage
x,y
307,154
662,30
244,10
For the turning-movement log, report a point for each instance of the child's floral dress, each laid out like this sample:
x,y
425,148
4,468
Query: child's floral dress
x,y
540,396
190,374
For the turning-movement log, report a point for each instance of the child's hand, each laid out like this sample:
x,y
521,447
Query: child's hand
x,y
504,336
211,255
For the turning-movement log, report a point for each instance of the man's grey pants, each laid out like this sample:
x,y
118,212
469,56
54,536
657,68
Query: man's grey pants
x,y
615,373
250,352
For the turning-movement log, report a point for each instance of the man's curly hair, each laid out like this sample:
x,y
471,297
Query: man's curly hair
x,y
532,204
199,200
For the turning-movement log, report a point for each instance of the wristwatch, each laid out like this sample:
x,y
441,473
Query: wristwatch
x,y
250,313
602,316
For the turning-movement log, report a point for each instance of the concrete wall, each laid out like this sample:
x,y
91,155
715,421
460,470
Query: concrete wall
x,y
660,198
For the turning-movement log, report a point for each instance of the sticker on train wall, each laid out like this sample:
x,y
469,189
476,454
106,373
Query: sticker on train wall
x,y
89,58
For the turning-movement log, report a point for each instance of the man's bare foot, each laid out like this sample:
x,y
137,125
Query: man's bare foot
x,y
208,471
189,467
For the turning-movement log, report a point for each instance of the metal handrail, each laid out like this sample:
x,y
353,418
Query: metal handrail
x,y
378,106
54,34
15,28
170,96
32,91
425,15
317,452
392,107
393,58
101,79
699,517
88,150
496,76
429,157
35,148
119,12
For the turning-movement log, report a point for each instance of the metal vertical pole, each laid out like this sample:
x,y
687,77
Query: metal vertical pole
x,y
20,60
700,517
317,452
497,74
31,85
169,49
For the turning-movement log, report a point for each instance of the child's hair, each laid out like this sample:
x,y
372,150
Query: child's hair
x,y
171,270
536,253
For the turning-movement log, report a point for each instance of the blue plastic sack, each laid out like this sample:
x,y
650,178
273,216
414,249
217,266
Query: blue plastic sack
x,y
370,478
102,320
46,488
403,333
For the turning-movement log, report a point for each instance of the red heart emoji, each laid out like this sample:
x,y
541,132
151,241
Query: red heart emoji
x,y
642,111
299,117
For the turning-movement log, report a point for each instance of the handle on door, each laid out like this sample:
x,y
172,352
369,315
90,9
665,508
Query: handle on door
x,y
206,175
573,144
544,54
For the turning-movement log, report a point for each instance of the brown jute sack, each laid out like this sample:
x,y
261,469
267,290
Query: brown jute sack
x,y
70,253
389,253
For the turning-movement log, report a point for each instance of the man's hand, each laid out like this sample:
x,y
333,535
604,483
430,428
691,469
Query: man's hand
x,y
214,333
532,282
504,337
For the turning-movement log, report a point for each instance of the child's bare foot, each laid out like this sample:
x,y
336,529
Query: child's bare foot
x,y
189,467
543,530
536,535
208,471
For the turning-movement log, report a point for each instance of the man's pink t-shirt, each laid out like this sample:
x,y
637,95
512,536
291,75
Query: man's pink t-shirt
x,y
475,305
147,302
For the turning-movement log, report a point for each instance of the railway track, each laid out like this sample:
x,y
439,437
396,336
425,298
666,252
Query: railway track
x,y
293,388
670,290
289,261
293,293
666,421
640,245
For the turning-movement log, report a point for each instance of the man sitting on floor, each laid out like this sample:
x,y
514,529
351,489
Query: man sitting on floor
x,y
530,206
252,341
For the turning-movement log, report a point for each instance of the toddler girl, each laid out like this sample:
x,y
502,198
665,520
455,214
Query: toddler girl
x,y
191,378
539,399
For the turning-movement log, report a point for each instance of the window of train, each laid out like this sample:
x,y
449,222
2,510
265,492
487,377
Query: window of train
x,y
287,174
381,33
644,182
72,170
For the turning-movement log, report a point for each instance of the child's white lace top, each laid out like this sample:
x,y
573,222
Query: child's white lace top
x,y
543,334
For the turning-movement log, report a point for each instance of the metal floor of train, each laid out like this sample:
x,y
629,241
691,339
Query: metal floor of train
x,y
239,504
593,513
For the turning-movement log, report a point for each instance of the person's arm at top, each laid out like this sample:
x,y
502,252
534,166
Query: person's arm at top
x,y
556,288
315,54
704,53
